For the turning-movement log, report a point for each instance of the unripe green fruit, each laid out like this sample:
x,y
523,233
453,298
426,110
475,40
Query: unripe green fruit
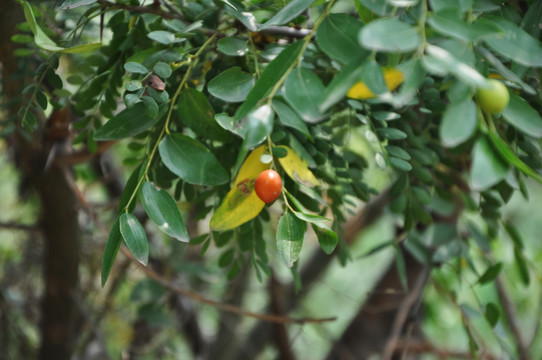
x,y
494,98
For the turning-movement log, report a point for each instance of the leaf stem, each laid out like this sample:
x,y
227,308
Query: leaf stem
x,y
421,28
306,42
165,128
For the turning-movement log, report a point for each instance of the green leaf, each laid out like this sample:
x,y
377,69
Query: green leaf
x,y
226,258
337,38
514,234
41,100
254,129
440,62
162,209
385,115
392,134
523,117
512,158
163,37
381,8
372,76
504,71
259,124
398,152
414,77
290,234
521,264
135,68
514,43
232,46
111,249
231,85
327,239
128,122
304,91
135,237
22,38
196,112
492,314
133,85
191,161
129,189
72,4
245,17
487,168
389,35
162,69
448,22
289,117
287,13
150,106
459,123
400,164
270,77
401,267
317,220
490,274
341,83
44,42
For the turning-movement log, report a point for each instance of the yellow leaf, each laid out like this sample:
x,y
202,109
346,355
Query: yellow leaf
x,y
360,91
241,204
298,168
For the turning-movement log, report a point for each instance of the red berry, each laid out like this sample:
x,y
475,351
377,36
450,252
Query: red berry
x,y
268,185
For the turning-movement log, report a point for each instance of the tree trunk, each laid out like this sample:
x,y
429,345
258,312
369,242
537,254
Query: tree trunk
x,y
58,218
61,232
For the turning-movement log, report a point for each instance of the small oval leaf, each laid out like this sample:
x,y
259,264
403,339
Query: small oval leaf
x,y
389,35
231,85
162,209
191,161
135,237
290,234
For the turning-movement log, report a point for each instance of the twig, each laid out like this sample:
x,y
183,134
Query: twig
x,y
21,227
510,314
83,155
141,9
312,271
225,307
409,305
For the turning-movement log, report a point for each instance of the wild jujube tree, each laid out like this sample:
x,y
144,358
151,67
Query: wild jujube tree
x,y
204,96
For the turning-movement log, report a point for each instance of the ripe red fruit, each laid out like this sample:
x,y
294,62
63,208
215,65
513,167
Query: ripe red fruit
x,y
268,185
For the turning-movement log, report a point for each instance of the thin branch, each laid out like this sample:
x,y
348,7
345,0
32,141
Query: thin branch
x,y
409,305
20,227
510,315
83,155
313,270
141,9
222,306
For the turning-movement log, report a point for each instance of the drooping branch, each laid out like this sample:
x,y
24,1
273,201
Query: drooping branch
x,y
409,306
219,305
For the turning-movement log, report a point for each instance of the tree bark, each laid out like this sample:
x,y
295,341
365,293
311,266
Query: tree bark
x,y
61,232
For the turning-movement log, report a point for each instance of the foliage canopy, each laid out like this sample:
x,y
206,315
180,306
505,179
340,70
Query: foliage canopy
x,y
202,96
